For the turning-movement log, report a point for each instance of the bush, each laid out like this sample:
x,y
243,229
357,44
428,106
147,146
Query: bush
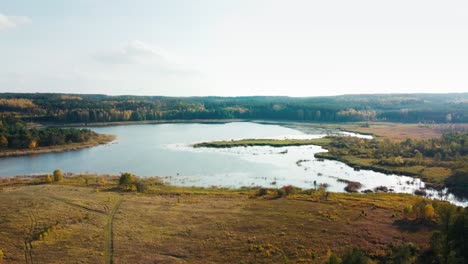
x,y
126,178
280,192
58,175
355,256
289,189
333,259
404,253
49,178
261,192
141,187
1,255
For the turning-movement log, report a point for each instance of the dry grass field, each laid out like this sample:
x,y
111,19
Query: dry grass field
x,y
399,131
73,223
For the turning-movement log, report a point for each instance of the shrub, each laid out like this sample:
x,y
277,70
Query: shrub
x,y
141,187
261,192
280,192
420,192
126,178
355,256
408,210
333,259
1,255
353,186
49,178
58,175
289,189
429,212
404,253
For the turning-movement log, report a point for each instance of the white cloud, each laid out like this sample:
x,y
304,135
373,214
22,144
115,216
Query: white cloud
x,y
12,21
138,54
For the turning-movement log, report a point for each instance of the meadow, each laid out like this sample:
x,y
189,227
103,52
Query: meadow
x,y
93,219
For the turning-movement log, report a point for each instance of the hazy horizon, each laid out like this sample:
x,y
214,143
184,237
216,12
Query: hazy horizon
x,y
233,96
244,48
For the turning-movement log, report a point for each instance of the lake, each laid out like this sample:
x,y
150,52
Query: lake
x,y
165,150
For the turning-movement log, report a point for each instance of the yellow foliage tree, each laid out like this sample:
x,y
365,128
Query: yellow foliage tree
x,y
48,178
58,175
3,141
32,144
429,211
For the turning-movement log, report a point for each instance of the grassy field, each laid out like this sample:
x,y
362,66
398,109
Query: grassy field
x,y
396,131
261,142
87,219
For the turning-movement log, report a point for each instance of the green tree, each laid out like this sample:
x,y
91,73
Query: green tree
x,y
58,175
404,253
355,256
419,158
126,178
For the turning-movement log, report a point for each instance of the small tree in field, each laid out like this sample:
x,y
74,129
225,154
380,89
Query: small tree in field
x,y
419,158
48,178
127,178
58,175
429,212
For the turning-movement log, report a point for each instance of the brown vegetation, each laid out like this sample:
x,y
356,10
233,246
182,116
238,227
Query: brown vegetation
x,y
56,222
400,131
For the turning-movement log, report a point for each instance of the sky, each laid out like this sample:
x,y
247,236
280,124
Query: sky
x,y
234,48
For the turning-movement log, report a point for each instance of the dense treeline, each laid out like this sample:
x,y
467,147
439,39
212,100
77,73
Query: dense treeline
x,y
66,108
15,135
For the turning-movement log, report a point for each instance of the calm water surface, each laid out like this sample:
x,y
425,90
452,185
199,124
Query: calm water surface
x,y
165,150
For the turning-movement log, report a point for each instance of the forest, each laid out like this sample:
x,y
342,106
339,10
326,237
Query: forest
x,y
14,134
73,108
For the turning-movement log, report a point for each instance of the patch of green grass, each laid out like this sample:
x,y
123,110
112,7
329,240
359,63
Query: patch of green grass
x,y
436,174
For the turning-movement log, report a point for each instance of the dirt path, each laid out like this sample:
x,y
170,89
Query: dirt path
x,y
28,248
109,253
108,229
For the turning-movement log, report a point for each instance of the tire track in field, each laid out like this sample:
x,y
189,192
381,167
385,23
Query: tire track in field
x,y
109,235
108,229
82,207
28,254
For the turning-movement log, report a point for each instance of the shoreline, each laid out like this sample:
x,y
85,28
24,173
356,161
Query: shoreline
x,y
146,122
38,179
102,139
325,144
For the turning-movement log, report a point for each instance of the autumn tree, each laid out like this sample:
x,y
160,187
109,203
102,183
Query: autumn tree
x,y
3,141
58,175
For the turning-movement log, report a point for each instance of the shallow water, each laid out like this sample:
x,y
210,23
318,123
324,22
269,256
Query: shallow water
x,y
165,150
